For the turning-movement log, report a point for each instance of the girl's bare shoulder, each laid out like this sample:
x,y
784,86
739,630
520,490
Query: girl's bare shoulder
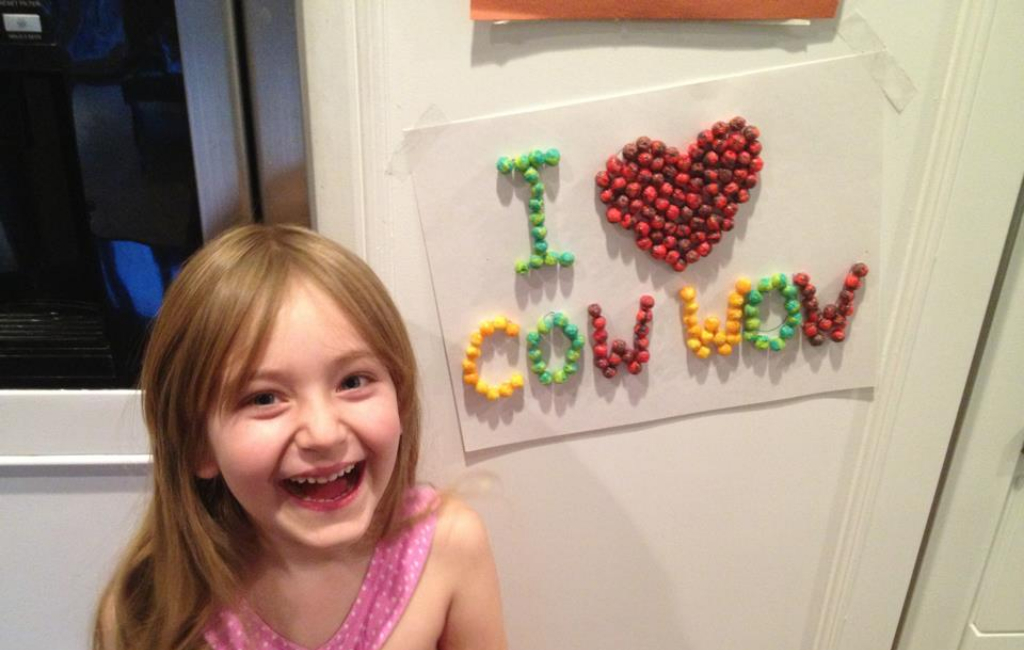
x,y
461,535
463,555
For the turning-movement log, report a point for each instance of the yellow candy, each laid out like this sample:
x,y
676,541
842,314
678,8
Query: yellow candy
x,y
733,339
493,393
693,344
512,329
732,327
505,389
725,349
500,323
691,320
472,351
719,339
706,336
734,314
711,324
471,379
704,352
691,308
688,293
516,380
476,338
694,331
482,387
486,327
735,300
743,286
468,365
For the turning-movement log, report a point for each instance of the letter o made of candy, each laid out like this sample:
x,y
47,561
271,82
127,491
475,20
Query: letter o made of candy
x,y
752,313
536,355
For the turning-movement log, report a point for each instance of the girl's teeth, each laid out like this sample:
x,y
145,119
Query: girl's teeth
x,y
324,479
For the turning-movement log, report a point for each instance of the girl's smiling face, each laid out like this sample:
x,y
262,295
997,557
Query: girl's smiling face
x,y
308,446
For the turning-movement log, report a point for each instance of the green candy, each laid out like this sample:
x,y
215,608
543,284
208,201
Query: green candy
x,y
579,342
789,292
571,330
522,163
764,285
786,332
755,297
545,378
777,344
566,258
537,218
751,311
552,157
571,368
572,355
560,319
550,259
537,190
506,165
793,320
536,354
749,336
531,175
536,261
539,232
792,307
537,157
543,325
533,338
762,343
559,376
522,267
539,367
536,205
540,247
779,280
752,324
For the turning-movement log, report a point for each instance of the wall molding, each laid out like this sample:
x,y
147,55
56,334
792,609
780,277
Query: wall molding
x,y
917,301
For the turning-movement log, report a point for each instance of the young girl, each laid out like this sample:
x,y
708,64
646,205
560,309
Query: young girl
x,y
279,390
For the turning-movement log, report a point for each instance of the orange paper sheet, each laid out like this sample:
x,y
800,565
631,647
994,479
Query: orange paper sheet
x,y
651,9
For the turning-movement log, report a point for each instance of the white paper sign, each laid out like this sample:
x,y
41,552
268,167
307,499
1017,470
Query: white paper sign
x,y
816,210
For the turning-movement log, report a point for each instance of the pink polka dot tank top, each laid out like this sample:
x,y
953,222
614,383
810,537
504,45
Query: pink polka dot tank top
x,y
391,579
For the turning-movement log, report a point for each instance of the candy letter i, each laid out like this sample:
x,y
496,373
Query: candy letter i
x,y
528,167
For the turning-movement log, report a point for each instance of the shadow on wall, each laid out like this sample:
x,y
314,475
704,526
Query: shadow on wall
x,y
501,43
561,571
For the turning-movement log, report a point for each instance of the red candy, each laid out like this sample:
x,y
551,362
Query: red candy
x,y
608,358
652,186
833,318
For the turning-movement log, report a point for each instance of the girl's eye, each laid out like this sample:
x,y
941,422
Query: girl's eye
x,y
353,382
263,399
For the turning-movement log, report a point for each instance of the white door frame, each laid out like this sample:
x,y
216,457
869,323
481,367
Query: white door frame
x,y
958,230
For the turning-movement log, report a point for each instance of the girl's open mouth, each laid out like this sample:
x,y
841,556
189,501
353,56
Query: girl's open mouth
x,y
326,489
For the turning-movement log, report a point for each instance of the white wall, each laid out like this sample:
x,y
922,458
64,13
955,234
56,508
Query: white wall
x,y
710,532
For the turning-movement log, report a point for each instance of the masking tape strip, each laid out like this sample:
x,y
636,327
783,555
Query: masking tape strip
x,y
899,89
417,141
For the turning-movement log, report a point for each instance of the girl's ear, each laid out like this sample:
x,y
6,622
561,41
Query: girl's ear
x,y
207,466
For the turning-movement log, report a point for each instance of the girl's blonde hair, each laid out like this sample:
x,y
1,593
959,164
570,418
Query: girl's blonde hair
x,y
195,541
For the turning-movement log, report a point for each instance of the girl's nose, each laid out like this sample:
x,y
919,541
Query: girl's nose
x,y
321,425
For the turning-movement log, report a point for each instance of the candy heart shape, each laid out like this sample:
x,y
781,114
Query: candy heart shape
x,y
679,204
